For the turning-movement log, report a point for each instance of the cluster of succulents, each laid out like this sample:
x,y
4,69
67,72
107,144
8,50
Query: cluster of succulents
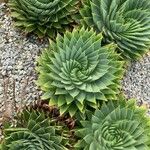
x,y
124,22
119,124
80,74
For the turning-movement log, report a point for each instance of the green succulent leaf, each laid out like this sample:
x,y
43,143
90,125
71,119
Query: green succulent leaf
x,y
125,22
34,132
79,71
118,125
47,17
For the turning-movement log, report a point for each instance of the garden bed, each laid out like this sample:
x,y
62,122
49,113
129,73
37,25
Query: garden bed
x,y
17,66
18,53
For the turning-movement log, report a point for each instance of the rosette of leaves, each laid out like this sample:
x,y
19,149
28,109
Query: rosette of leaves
x,y
77,72
45,17
125,22
118,125
35,131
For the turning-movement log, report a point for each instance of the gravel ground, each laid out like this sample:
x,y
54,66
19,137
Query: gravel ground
x,y
136,83
17,74
17,63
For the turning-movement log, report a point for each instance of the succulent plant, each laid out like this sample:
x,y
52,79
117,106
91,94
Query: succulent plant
x,y
52,112
45,17
118,125
77,72
35,131
125,22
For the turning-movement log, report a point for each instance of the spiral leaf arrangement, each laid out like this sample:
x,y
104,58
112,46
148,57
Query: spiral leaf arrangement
x,y
118,125
34,132
77,71
45,17
125,22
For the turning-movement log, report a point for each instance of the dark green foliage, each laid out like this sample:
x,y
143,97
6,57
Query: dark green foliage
x,y
45,17
35,132
76,71
118,125
125,22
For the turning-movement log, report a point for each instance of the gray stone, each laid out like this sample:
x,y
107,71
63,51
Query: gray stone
x,y
17,61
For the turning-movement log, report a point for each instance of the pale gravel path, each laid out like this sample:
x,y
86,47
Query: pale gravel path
x,y
17,63
136,83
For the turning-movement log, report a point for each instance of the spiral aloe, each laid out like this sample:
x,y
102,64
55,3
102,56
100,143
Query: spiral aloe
x,y
76,71
125,22
34,132
45,17
118,125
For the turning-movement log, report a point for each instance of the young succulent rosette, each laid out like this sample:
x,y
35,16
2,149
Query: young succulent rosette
x,y
34,132
76,71
118,125
125,22
45,17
